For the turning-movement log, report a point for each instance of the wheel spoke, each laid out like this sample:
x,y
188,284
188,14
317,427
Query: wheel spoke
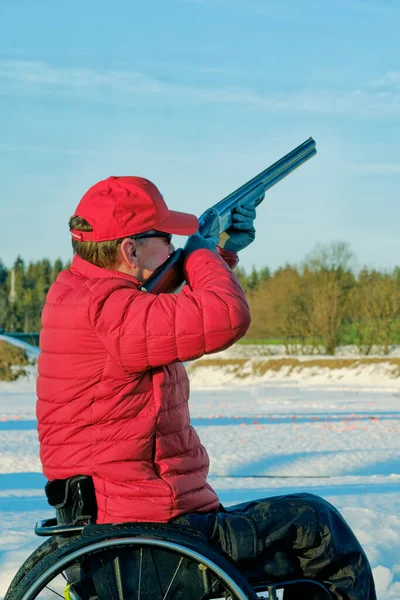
x,y
155,569
54,592
173,577
140,572
107,580
213,582
118,578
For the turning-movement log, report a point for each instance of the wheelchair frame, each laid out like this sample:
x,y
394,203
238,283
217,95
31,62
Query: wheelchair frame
x,y
86,540
108,562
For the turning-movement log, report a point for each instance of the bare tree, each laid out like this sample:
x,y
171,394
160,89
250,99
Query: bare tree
x,y
376,310
329,291
330,257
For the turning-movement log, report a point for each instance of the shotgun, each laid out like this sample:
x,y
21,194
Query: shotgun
x,y
218,218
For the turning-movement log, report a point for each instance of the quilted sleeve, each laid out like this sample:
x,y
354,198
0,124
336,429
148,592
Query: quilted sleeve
x,y
231,258
143,330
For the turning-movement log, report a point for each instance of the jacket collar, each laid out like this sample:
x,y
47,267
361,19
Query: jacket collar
x,y
87,269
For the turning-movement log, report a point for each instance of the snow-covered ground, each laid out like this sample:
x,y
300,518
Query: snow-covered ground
x,y
334,436
254,365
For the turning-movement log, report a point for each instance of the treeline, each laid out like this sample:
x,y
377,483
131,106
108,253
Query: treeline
x,y
23,290
321,304
311,307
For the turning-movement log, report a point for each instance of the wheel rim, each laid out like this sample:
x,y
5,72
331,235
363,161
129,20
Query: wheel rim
x,y
217,583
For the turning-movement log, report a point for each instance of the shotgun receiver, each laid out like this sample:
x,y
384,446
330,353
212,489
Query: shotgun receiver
x,y
217,219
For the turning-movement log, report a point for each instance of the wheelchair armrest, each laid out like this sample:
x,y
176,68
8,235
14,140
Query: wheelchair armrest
x,y
49,527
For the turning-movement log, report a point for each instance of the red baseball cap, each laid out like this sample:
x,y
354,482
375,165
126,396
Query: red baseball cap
x,y
118,207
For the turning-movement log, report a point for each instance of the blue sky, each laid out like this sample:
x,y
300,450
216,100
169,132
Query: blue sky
x,y
199,96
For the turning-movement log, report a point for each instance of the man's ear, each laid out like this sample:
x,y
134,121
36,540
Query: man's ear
x,y
129,252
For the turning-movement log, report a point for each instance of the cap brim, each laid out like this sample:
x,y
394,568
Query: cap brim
x,y
179,223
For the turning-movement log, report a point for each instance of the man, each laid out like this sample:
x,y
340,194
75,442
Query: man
x,y
113,392
112,389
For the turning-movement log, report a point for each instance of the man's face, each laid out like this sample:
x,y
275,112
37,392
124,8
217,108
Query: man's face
x,y
151,253
141,255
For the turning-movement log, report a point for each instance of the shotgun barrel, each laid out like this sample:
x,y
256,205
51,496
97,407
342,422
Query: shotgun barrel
x,y
218,218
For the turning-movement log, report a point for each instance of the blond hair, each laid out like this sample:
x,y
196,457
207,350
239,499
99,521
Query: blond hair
x,y
103,254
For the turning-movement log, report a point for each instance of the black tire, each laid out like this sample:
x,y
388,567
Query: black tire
x,y
127,567
41,552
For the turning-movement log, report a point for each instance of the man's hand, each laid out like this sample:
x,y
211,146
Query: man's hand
x,y
241,233
198,242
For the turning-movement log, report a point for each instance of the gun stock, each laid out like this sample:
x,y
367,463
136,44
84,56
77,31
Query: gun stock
x,y
168,278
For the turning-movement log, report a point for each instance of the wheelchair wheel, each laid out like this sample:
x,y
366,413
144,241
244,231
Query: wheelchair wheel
x,y
132,568
41,552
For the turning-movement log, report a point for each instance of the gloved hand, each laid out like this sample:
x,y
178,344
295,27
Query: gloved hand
x,y
197,242
241,233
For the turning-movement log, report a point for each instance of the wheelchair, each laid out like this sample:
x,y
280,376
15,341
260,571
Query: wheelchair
x,y
81,560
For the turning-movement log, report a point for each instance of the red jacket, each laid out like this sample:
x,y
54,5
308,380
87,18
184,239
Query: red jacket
x,y
112,390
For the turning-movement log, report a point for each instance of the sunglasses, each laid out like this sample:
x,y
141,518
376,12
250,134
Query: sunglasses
x,y
150,234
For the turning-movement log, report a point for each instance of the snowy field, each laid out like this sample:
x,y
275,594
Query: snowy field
x,y
338,438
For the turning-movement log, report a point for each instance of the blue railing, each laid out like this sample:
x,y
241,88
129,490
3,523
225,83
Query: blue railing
x,y
30,338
